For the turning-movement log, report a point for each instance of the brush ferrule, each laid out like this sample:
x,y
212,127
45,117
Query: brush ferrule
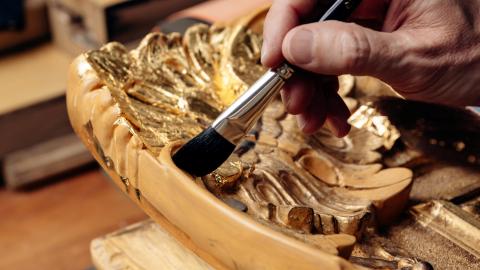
x,y
240,117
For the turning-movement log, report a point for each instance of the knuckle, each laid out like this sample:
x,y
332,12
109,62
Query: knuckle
x,y
355,50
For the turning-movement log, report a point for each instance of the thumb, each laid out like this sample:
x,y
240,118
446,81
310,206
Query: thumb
x,y
336,48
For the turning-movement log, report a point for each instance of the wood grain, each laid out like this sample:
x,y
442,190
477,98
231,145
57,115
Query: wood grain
x,y
145,245
51,228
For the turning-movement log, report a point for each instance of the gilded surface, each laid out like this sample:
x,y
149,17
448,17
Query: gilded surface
x,y
308,187
369,118
171,88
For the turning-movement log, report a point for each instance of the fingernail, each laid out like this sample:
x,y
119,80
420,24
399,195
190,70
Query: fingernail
x,y
285,98
338,125
300,47
301,121
264,51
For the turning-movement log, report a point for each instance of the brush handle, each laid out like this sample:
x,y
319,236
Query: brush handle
x,y
240,117
340,10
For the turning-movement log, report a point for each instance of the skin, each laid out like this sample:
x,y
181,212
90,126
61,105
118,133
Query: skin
x,y
425,49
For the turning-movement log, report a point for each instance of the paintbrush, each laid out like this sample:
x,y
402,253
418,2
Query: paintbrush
x,y
208,150
440,132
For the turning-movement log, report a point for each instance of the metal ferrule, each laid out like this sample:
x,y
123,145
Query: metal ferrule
x,y
240,117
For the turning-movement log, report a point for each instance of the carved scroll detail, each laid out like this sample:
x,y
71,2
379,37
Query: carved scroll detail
x,y
172,87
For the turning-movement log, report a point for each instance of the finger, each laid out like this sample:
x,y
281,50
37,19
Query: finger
x,y
282,16
297,93
327,83
343,48
337,115
314,117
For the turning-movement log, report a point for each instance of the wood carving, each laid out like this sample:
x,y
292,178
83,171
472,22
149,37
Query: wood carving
x,y
307,198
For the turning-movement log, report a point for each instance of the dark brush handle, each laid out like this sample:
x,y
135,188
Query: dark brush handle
x,y
340,10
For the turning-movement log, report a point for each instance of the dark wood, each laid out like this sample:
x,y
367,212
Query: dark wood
x,y
34,124
35,26
131,20
45,160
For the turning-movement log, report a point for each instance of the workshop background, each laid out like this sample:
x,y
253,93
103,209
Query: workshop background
x,y
54,199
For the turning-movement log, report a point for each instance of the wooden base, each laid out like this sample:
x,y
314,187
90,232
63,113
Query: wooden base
x,y
144,245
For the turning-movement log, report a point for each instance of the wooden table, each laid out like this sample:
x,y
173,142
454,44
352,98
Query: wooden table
x,y
51,227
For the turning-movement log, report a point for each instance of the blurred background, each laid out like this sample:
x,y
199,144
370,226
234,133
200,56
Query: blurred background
x,y
54,199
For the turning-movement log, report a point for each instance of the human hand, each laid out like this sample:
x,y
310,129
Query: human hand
x,y
426,50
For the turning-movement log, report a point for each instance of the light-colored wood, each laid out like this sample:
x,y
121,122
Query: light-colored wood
x,y
32,76
212,226
44,160
144,245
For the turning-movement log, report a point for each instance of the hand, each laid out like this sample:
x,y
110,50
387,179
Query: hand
x,y
426,50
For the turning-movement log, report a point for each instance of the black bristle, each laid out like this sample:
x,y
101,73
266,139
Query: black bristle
x,y
204,153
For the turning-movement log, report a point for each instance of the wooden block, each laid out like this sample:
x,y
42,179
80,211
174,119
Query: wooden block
x,y
45,160
145,245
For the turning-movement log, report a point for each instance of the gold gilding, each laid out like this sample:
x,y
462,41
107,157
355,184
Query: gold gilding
x,y
369,118
171,88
